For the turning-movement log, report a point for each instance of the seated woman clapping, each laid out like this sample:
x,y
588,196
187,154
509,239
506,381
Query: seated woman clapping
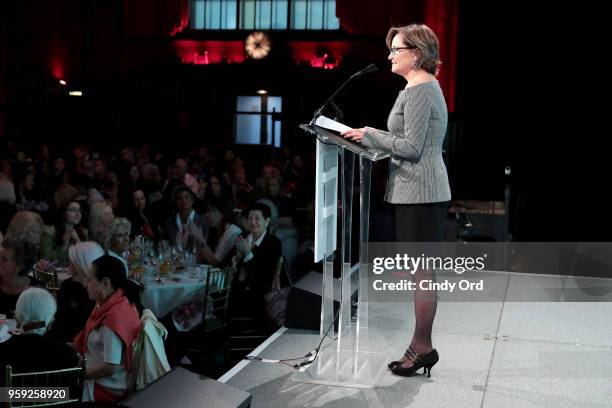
x,y
217,248
179,225
110,331
29,350
257,256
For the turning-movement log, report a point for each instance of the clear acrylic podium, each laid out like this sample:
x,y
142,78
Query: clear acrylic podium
x,y
346,357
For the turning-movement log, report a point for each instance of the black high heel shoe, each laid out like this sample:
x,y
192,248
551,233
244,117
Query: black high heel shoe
x,y
426,361
409,354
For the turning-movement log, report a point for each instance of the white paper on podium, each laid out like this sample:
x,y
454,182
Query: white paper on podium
x,y
327,123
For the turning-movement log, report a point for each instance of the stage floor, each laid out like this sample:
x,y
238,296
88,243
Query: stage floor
x,y
492,354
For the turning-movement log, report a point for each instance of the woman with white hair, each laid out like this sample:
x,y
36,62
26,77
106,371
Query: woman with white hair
x,y
29,350
74,305
117,241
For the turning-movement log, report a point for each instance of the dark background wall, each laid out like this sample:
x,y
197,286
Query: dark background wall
x,y
136,89
122,54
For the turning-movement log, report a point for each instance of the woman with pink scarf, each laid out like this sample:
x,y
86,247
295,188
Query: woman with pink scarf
x,y
110,331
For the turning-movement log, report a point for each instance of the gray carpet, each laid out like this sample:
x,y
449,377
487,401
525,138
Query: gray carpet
x,y
507,353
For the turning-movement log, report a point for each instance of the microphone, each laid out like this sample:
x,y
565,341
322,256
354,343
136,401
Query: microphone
x,y
366,70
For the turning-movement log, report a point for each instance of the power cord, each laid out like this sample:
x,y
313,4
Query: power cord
x,y
310,356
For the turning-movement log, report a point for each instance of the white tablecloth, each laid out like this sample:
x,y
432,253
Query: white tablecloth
x,y
62,276
173,291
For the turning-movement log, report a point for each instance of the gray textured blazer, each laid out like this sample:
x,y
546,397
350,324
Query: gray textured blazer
x,y
417,126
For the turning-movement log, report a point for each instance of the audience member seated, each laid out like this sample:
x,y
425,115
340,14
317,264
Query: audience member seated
x,y
81,153
128,184
214,189
30,197
100,217
217,249
227,165
296,182
177,230
166,204
65,191
59,165
141,216
100,171
188,179
242,191
273,215
269,170
29,350
110,189
7,203
151,183
117,242
285,205
88,179
294,172
256,256
122,164
44,181
110,331
29,226
74,305
68,231
204,160
16,261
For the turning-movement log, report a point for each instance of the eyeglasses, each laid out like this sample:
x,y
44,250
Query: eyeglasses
x,y
395,50
74,210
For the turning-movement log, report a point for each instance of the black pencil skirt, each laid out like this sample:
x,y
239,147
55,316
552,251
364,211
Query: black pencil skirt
x,y
420,222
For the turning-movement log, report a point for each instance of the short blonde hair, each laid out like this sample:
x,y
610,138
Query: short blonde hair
x,y
423,39
117,222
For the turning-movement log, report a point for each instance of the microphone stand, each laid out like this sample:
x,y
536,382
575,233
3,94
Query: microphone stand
x,y
339,114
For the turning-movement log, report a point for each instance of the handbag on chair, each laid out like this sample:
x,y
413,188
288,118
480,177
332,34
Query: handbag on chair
x,y
276,298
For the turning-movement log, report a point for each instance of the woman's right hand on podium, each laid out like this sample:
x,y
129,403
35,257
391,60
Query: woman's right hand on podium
x,y
354,134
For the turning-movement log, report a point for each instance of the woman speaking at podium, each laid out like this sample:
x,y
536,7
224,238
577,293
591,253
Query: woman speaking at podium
x,y
418,185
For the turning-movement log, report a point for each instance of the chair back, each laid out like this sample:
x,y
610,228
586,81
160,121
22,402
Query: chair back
x,y
144,346
137,347
48,278
218,286
72,378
